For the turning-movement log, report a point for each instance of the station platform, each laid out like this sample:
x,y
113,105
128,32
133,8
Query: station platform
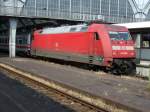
x,y
17,97
143,69
126,91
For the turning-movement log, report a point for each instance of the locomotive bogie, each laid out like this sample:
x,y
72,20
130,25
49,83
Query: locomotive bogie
x,y
123,66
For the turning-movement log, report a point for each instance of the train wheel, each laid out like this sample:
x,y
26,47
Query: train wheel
x,y
115,69
126,68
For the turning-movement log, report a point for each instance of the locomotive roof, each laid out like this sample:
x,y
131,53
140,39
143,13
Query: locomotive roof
x,y
74,28
64,29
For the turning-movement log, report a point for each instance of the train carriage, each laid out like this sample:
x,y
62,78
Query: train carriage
x,y
23,43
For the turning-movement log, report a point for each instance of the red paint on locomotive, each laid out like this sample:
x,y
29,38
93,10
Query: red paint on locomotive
x,y
100,44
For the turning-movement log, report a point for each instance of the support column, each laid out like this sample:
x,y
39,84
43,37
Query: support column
x,y
138,48
138,41
12,37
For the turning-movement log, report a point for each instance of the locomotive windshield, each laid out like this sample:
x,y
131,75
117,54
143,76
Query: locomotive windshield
x,y
120,36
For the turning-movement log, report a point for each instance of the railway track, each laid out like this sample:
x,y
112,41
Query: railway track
x,y
74,103
71,97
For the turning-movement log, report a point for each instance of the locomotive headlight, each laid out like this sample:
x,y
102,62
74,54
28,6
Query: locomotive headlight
x,y
114,53
124,53
132,53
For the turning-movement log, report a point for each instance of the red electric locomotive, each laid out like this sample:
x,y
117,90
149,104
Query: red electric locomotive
x,y
95,44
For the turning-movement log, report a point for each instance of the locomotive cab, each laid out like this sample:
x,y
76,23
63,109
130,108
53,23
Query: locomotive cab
x,y
122,45
117,47
123,52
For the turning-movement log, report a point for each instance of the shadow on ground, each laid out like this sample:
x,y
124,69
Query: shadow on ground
x,y
16,97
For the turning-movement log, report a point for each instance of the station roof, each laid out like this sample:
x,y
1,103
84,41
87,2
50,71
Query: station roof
x,y
136,25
